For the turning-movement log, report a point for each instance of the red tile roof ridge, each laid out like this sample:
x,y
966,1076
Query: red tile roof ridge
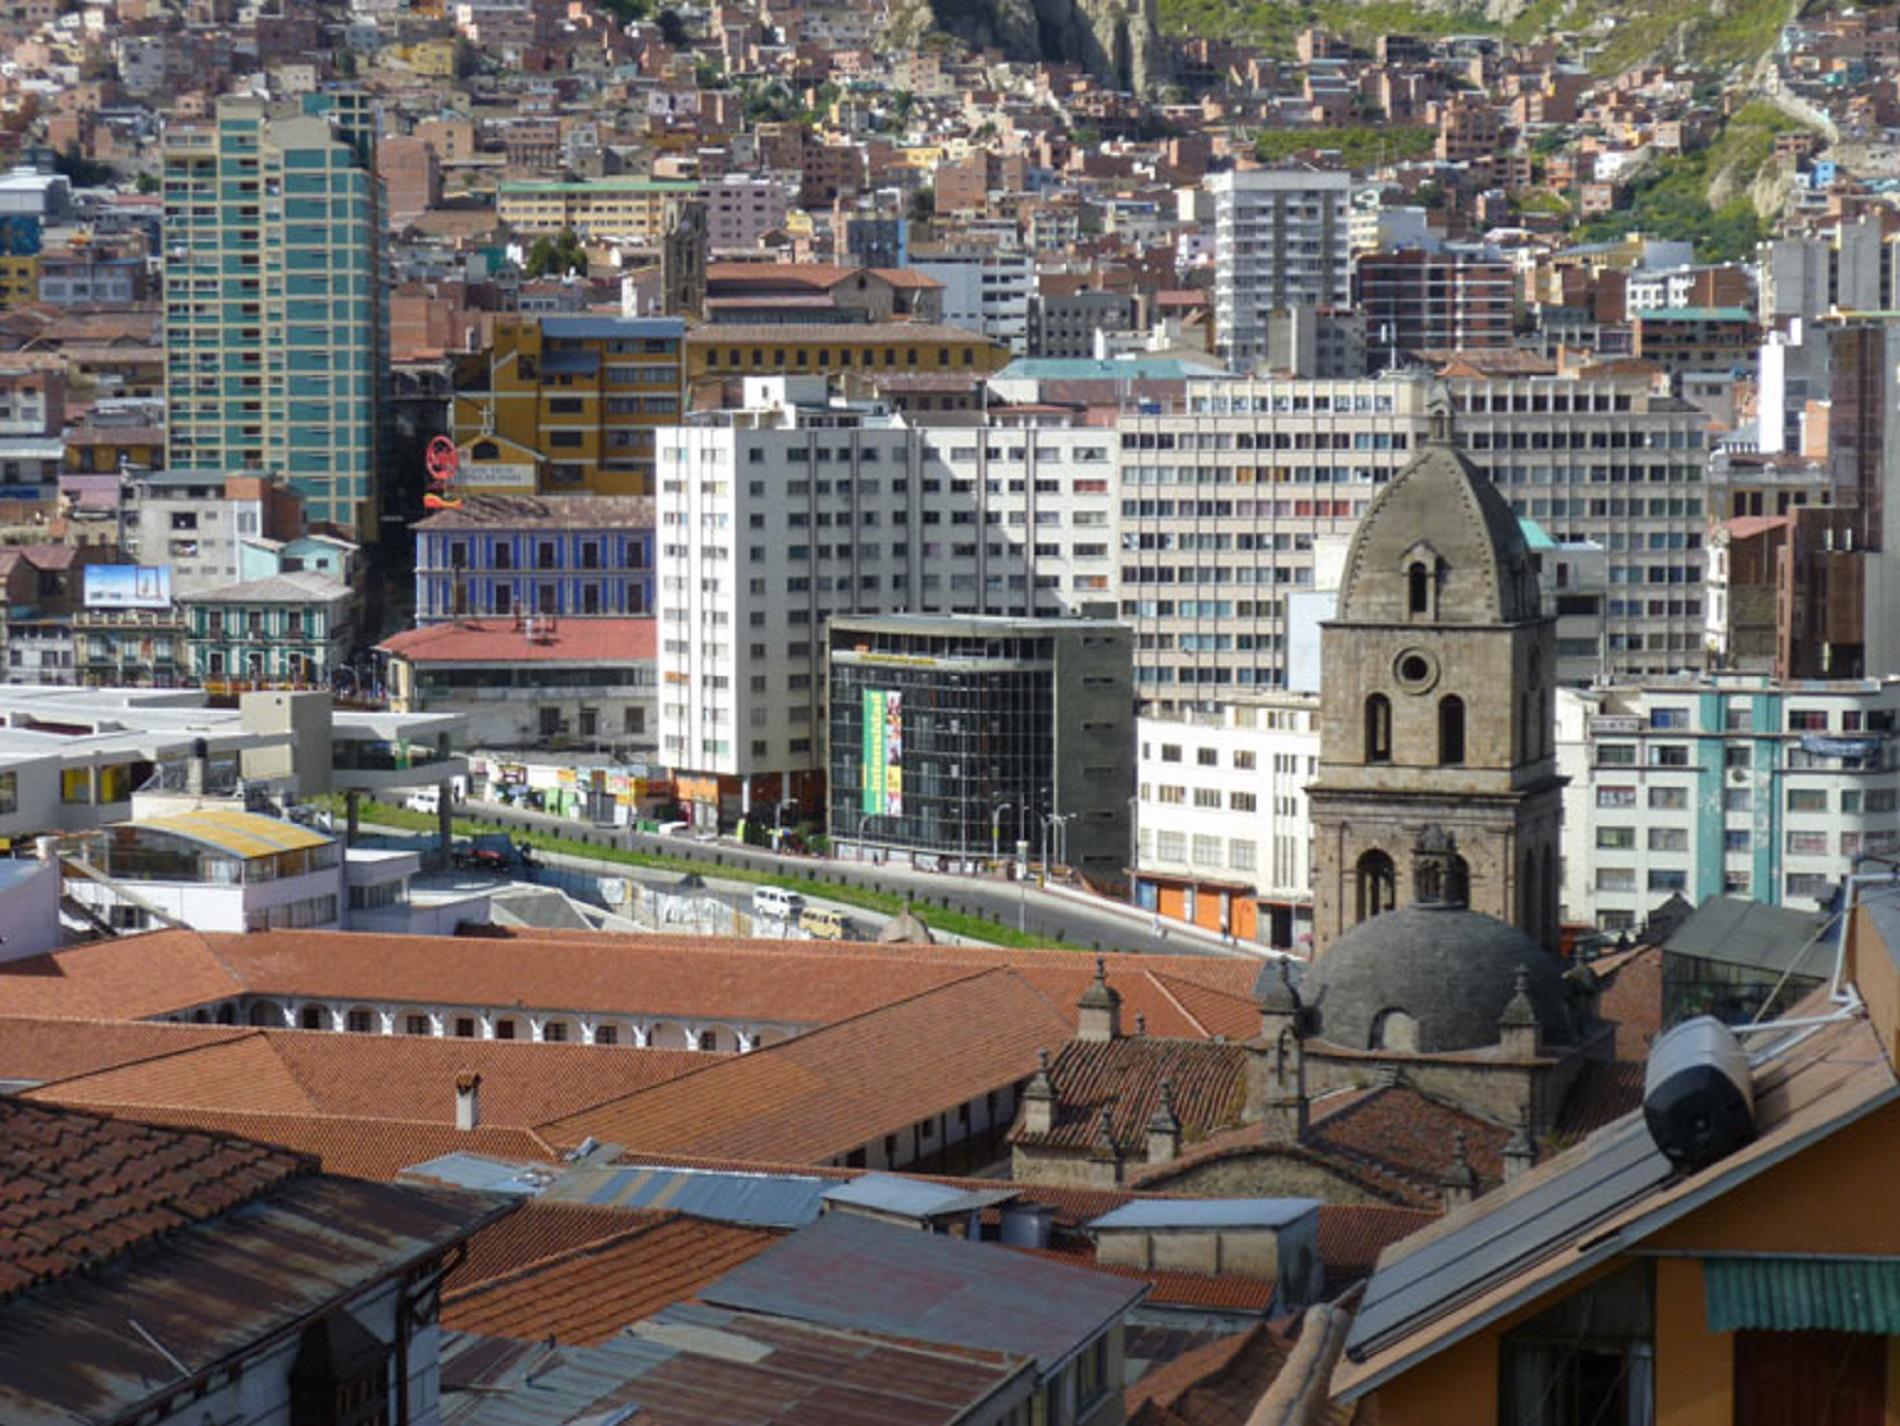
x,y
185,1047
1161,985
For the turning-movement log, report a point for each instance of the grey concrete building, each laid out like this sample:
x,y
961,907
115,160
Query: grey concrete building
x,y
952,738
1065,325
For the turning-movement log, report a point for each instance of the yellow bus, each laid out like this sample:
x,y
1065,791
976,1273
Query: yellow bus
x,y
823,925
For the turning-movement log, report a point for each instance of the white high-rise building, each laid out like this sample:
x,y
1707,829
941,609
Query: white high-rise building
x,y
1736,786
985,291
1281,239
775,517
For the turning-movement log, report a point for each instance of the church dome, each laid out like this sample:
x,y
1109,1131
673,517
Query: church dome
x,y
1446,973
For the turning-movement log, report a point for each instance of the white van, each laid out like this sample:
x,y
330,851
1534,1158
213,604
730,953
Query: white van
x,y
777,904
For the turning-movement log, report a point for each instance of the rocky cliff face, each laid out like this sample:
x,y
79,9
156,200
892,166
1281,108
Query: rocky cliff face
x,y
1117,41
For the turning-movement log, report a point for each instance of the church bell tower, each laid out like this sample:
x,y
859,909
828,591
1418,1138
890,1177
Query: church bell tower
x,y
1436,707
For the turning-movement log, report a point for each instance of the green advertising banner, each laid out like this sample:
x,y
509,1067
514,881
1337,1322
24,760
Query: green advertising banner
x,y
882,753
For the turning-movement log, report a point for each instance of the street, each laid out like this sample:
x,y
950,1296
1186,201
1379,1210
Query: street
x,y
1013,904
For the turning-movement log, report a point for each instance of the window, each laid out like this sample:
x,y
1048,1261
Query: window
x,y
1451,731
416,1025
1807,799
1668,799
1616,878
1738,755
1378,729
1377,884
1807,844
357,1022
1418,581
1807,720
1669,839
1669,717
1663,879
1588,1361
1810,885
607,1035
1207,797
1170,752
1207,757
1669,755
504,1029
1616,755
709,1040
1616,797
1617,839
464,1027
1738,799
1242,802
554,1032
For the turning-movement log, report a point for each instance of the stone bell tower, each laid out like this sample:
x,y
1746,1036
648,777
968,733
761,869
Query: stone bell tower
x,y
1436,707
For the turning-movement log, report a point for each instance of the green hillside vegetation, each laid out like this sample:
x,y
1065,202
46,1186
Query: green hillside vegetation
x,y
1274,26
1738,33
1671,198
1361,146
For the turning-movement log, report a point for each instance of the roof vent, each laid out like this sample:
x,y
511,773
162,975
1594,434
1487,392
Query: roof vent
x,y
1698,1095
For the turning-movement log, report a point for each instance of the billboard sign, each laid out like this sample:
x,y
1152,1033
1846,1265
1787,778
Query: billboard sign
x,y
883,753
128,586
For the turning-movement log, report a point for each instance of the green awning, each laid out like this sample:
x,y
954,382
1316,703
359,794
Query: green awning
x,y
1768,1294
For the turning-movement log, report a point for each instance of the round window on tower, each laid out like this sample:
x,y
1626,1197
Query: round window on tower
x,y
1415,670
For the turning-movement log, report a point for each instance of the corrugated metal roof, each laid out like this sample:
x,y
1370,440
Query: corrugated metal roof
x,y
760,1200
211,1289
915,1198
851,1272
1770,1294
476,1171
1209,1213
242,834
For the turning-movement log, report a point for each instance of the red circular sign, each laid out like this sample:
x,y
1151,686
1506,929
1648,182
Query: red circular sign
x,y
442,459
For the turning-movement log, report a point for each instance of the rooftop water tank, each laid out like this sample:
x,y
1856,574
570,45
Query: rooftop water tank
x,y
1698,1094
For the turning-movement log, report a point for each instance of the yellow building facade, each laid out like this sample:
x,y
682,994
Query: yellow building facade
x,y
568,405
632,209
717,352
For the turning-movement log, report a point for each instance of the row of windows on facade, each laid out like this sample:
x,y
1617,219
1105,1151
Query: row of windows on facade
x,y
1811,885
500,599
1742,839
1852,801
1795,758
551,554
755,357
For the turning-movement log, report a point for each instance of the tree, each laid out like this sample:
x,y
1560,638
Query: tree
x,y
673,29
556,256
923,205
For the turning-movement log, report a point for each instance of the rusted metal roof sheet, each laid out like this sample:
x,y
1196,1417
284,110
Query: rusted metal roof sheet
x,y
215,1289
760,1371
851,1272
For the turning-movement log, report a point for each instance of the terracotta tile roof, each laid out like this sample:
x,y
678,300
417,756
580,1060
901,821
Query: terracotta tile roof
x,y
352,1148
700,978
674,975
1606,1090
544,512
540,1230
1632,1000
1125,1077
131,978
825,1093
1352,1235
574,640
400,1077
1393,1142
39,1050
1400,1132
77,1190
585,1295
1154,1399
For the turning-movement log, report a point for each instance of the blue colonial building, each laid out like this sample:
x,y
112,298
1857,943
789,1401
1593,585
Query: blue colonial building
x,y
564,555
